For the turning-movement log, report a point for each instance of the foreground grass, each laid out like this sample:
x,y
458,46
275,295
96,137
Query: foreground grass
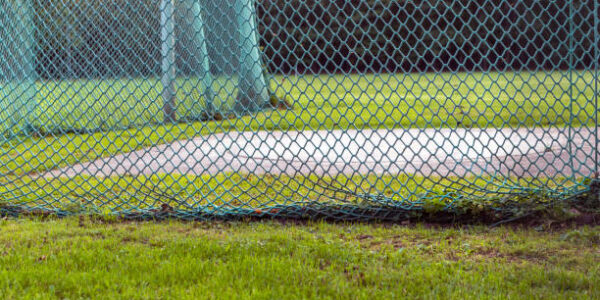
x,y
319,102
81,258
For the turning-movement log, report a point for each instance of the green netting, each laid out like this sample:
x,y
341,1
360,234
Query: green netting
x,y
17,75
369,109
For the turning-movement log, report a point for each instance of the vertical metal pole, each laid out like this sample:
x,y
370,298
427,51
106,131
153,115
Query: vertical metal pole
x,y
252,93
17,72
6,65
167,30
570,132
30,45
203,59
596,57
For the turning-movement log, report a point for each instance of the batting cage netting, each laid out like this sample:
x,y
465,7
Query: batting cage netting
x,y
342,109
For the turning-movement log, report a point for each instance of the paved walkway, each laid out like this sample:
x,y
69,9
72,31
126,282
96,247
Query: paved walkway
x,y
444,152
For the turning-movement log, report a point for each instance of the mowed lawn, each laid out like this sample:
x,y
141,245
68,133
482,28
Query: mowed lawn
x,y
85,258
334,101
319,102
89,257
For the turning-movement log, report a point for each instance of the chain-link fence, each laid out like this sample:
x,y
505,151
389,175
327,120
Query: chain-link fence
x,y
350,109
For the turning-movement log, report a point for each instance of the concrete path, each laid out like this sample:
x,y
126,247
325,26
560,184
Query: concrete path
x,y
444,152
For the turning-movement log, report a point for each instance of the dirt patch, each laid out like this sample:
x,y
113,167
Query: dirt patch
x,y
577,214
355,274
487,254
364,237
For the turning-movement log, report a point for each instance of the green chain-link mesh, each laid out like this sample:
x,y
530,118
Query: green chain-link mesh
x,y
337,108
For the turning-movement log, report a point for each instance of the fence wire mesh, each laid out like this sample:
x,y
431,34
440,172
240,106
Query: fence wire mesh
x,y
347,109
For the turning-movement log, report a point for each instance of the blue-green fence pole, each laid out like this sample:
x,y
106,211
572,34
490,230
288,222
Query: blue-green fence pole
x,y
167,29
200,41
17,73
253,92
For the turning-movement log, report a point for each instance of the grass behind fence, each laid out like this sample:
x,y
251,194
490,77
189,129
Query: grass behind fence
x,y
336,101
492,99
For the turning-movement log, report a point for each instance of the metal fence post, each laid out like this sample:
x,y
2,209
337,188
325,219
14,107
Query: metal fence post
x,y
595,66
167,29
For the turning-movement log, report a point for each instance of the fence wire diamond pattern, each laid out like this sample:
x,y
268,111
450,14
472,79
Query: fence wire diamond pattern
x,y
343,109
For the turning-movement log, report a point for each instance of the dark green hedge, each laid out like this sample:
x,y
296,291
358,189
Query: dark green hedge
x,y
412,35
328,36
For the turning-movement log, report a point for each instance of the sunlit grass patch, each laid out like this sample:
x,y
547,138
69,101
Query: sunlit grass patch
x,y
78,257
